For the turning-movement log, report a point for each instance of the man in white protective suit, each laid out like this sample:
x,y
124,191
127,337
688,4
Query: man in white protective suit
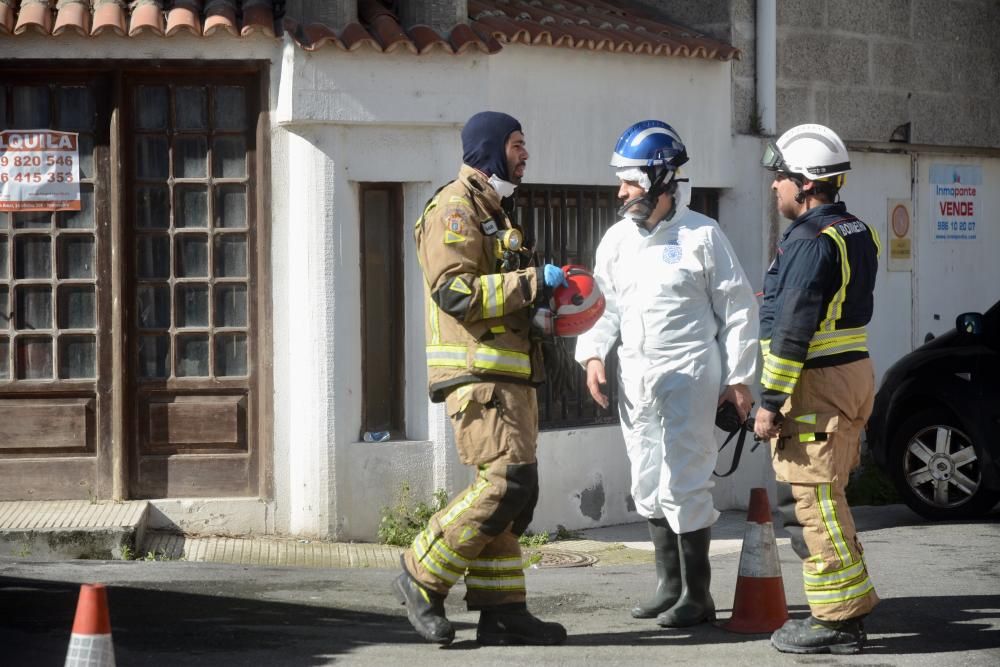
x,y
687,317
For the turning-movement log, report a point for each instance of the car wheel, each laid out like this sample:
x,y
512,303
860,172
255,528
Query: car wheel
x,y
937,468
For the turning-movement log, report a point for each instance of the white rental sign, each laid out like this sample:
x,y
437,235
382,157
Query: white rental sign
x,y
39,171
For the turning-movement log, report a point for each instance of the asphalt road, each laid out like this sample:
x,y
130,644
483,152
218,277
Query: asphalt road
x,y
940,585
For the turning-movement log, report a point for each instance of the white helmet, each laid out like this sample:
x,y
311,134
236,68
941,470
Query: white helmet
x,y
812,151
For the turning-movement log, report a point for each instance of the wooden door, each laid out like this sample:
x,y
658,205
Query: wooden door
x,y
190,229
55,305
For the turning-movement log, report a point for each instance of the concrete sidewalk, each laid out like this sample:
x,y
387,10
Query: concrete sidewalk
x,y
60,530
612,545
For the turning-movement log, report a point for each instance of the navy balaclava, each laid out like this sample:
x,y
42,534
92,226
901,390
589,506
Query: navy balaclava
x,y
484,142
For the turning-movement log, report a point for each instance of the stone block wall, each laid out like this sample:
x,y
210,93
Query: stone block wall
x,y
865,68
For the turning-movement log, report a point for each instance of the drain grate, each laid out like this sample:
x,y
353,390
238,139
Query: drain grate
x,y
553,558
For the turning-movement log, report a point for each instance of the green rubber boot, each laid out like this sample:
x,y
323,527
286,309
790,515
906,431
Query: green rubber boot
x,y
668,571
695,604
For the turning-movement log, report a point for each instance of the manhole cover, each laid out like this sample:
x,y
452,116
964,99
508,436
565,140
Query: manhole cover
x,y
553,558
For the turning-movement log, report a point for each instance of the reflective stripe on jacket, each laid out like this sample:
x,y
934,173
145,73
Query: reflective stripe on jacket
x,y
478,318
818,297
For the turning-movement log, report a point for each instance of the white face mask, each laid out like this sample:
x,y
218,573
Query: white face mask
x,y
503,188
635,175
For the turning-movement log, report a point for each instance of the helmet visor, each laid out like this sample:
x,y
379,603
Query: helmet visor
x,y
773,159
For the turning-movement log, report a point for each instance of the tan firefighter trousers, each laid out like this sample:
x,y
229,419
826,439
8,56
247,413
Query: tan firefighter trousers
x,y
476,535
820,444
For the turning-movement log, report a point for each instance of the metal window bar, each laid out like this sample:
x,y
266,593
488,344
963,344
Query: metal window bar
x,y
564,224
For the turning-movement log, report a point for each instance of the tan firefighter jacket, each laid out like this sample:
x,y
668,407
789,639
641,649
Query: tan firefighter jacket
x,y
478,318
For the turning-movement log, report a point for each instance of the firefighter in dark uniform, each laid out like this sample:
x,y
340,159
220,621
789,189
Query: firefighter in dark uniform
x,y
484,364
818,383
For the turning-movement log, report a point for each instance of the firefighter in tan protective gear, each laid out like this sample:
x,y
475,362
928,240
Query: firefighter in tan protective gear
x,y
484,364
818,383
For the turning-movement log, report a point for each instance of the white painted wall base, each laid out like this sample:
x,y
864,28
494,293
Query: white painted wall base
x,y
212,516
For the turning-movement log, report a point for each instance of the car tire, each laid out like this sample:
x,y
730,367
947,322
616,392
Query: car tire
x,y
937,468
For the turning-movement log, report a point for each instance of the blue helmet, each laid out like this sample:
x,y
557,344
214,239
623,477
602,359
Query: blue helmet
x,y
649,143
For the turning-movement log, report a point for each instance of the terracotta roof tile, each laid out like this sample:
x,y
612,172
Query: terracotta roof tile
x,y
184,17
389,33
147,17
463,38
594,25
258,16
35,15
8,15
72,16
109,15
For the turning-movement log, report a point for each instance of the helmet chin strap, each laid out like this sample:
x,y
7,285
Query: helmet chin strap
x,y
801,195
640,208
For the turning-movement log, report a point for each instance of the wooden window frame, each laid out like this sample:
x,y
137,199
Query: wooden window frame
x,y
395,326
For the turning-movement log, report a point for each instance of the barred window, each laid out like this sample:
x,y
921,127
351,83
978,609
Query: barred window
x,y
564,224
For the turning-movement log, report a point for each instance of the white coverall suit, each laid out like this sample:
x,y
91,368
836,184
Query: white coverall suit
x,y
688,322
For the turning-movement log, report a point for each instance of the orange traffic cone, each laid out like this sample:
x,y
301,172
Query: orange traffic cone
x,y
90,645
760,594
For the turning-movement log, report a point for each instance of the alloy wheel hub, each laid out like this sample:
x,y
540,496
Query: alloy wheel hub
x,y
941,467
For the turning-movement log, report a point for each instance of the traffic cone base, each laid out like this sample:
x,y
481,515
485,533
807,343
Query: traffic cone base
x,y
90,644
759,605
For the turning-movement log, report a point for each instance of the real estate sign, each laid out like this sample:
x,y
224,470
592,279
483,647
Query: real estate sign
x,y
954,200
39,170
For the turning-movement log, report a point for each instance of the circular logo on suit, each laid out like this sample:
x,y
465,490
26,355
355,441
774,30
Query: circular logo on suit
x,y
672,253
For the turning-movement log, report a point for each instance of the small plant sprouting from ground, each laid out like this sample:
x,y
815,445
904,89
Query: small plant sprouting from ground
x,y
129,553
530,539
532,559
563,533
401,522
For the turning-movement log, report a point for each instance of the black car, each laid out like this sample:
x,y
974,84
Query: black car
x,y
935,427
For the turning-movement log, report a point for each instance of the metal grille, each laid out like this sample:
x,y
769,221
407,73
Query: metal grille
x,y
564,224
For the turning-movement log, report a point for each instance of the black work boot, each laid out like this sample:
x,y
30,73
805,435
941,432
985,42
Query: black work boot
x,y
424,608
811,635
513,625
668,571
695,604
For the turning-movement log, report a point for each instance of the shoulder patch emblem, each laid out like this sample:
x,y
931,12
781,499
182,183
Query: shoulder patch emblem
x,y
455,221
490,227
672,253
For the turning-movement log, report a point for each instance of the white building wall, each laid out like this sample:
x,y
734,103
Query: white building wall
x,y
360,131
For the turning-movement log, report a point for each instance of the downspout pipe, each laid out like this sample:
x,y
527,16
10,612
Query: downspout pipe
x,y
767,65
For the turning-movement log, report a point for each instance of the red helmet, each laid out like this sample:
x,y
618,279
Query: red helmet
x,y
578,306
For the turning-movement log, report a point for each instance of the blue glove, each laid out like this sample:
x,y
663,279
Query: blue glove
x,y
554,276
